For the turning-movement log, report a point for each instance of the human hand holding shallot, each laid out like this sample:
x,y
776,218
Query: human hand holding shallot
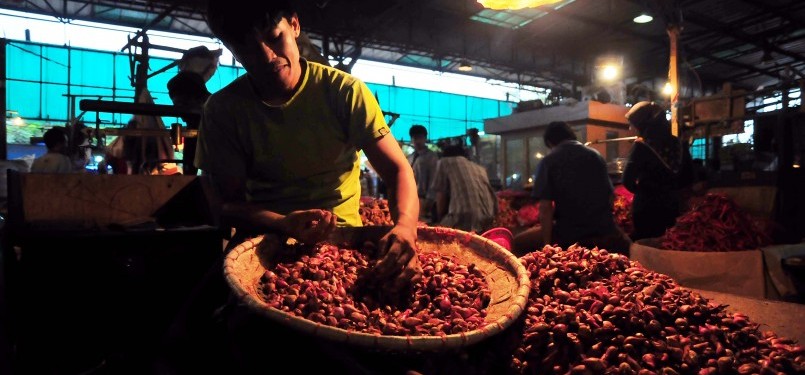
x,y
398,266
309,226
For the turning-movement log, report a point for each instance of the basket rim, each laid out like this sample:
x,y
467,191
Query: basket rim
x,y
407,342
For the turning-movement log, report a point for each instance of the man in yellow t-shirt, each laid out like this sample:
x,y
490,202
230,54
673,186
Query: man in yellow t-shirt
x,y
281,143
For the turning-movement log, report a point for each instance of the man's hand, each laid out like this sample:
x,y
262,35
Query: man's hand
x,y
309,226
398,262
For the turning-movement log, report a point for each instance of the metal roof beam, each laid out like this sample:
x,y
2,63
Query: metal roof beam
x,y
711,24
781,13
778,70
661,41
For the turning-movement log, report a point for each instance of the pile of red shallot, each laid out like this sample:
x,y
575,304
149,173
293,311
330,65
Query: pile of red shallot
x,y
528,215
622,209
592,312
716,223
506,216
375,211
322,283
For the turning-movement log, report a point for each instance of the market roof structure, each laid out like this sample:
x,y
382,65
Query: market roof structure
x,y
749,43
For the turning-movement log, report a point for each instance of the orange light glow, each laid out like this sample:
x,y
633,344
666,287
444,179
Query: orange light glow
x,y
515,4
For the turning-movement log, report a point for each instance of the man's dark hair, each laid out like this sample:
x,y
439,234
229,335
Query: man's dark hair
x,y
417,130
556,132
454,150
54,137
230,20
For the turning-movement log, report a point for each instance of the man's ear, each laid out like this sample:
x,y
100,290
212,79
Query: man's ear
x,y
297,28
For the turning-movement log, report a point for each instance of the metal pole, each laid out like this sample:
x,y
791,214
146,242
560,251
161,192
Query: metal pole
x,y
71,100
673,78
3,135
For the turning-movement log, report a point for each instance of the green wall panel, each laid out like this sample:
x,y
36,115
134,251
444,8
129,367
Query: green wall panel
x,y
23,97
54,64
122,73
23,62
91,68
54,101
38,80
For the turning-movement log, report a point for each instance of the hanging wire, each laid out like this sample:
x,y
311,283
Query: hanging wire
x,y
39,55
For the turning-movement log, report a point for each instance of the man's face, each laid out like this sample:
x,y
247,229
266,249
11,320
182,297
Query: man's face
x,y
271,57
419,141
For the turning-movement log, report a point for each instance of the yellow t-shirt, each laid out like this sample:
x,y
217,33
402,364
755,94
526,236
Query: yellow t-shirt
x,y
299,155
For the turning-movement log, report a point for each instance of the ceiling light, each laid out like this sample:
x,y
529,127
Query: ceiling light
x,y
515,4
464,66
610,72
608,68
668,89
643,18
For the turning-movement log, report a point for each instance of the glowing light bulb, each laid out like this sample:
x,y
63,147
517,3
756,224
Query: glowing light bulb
x,y
610,72
668,89
643,18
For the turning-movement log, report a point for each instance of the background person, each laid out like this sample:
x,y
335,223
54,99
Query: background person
x,y
188,89
464,198
423,162
659,166
55,160
575,198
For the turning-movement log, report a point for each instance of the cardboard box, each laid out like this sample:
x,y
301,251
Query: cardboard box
x,y
735,272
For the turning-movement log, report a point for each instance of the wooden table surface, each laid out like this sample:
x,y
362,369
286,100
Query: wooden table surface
x,y
784,318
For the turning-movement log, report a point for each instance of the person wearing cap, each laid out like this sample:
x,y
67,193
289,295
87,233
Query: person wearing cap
x,y
188,89
423,161
658,167
575,198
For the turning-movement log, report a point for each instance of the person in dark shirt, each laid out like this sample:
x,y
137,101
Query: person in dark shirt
x,y
659,166
575,198
188,89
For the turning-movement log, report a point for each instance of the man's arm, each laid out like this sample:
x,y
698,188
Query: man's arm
x,y
546,220
389,161
306,226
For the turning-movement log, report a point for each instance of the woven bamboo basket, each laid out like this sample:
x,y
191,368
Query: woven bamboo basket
x,y
508,281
